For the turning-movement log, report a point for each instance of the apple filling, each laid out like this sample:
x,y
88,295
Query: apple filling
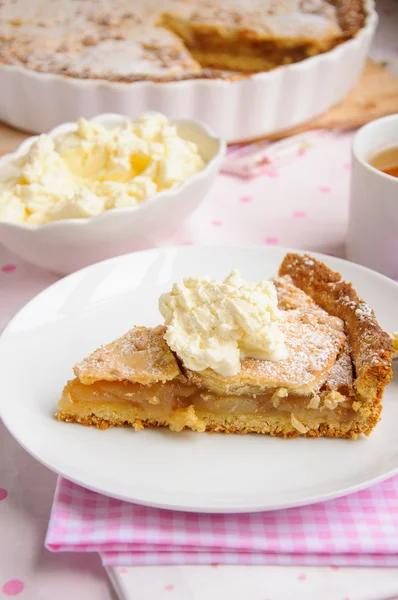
x,y
216,49
161,400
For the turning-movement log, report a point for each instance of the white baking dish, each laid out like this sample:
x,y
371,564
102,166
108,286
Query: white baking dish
x,y
236,110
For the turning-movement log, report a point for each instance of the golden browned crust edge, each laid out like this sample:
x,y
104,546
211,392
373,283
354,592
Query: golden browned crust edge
x,y
351,15
371,347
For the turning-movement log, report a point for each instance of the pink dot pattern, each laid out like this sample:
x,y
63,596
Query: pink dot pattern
x,y
13,587
8,268
3,494
271,241
271,173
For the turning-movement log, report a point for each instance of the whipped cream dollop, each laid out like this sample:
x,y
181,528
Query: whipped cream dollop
x,y
92,169
213,324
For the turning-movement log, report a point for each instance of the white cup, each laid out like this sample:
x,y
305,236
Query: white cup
x,y
373,223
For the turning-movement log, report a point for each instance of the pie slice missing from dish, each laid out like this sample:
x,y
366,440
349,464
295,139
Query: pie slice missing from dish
x,y
331,384
261,37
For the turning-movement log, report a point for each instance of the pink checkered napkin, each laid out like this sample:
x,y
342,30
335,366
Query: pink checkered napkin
x,y
357,530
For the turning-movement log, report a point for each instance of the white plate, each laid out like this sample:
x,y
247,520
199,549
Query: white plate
x,y
186,471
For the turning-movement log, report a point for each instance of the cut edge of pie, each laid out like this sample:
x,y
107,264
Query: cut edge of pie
x,y
331,385
237,42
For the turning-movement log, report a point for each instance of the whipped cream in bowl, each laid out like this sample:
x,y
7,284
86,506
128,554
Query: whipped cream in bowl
x,y
98,188
83,173
213,324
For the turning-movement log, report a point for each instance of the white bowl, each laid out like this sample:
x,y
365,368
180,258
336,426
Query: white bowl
x,y
248,108
67,245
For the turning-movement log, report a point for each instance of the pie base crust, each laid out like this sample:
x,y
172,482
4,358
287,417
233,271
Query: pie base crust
x,y
138,382
275,426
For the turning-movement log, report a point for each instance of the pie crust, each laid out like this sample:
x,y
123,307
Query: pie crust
x,y
330,385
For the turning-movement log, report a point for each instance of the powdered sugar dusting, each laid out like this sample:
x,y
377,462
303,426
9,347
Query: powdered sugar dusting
x,y
341,374
371,346
307,261
140,356
313,338
364,311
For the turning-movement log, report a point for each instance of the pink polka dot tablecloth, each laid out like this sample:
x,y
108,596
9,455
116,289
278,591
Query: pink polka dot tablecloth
x,y
301,204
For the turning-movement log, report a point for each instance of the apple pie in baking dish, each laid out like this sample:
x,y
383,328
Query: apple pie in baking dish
x,y
328,379
165,40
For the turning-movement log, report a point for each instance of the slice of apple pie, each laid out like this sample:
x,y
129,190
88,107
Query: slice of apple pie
x,y
330,383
